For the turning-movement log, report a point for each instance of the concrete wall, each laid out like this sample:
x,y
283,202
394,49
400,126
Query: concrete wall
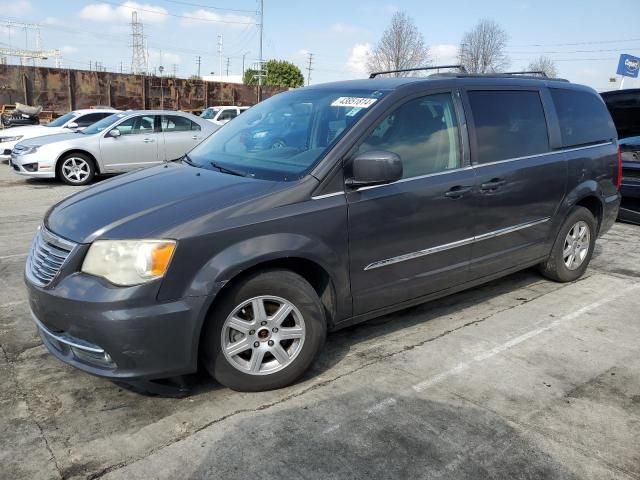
x,y
62,90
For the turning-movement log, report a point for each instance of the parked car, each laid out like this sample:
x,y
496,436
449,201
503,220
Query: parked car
x,y
69,122
406,189
119,143
221,115
624,106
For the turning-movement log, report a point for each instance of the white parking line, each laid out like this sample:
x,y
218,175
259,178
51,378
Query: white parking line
x,y
462,366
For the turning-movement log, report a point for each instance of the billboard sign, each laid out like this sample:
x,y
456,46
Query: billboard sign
x,y
628,66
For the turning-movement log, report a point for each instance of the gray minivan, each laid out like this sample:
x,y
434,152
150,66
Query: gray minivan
x,y
388,193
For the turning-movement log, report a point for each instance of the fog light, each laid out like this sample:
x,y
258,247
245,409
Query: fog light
x,y
30,167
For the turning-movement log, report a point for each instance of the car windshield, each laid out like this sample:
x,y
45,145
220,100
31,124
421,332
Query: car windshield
x,y
209,113
283,137
102,124
60,121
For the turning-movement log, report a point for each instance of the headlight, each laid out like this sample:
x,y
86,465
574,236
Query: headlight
x,y
24,150
10,139
129,262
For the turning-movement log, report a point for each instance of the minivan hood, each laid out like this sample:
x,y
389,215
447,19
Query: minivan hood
x,y
150,202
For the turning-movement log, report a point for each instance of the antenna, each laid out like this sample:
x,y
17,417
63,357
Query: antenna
x,y
139,63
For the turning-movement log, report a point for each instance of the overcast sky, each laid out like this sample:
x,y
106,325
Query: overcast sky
x,y
585,37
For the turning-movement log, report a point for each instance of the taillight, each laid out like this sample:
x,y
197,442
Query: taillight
x,y
619,170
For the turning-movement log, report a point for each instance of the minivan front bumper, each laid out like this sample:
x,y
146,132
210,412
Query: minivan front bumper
x,y
118,333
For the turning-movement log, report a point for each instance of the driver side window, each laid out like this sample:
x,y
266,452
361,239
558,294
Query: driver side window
x,y
423,133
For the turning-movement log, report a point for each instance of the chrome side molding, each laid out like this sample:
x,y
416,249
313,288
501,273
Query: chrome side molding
x,y
456,244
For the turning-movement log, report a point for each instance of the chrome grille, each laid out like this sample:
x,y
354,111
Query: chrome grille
x,y
48,254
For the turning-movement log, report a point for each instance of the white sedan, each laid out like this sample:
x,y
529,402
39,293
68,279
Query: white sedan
x,y
69,122
119,143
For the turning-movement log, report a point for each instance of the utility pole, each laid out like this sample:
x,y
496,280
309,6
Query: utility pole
x,y
228,64
309,68
220,55
198,62
243,57
260,63
175,70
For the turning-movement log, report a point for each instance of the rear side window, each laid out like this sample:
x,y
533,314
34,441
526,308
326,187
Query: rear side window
x,y
508,124
583,117
175,123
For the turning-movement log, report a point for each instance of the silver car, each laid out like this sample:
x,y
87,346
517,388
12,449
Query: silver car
x,y
119,143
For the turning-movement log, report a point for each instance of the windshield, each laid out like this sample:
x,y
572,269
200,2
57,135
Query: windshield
x,y
209,113
102,124
60,121
283,137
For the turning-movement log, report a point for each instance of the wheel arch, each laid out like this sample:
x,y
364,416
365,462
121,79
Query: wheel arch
x,y
588,195
66,153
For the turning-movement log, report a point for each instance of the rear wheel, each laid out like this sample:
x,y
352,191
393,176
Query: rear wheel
x,y
573,247
265,332
76,169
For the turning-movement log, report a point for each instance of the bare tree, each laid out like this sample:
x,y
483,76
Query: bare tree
x,y
544,64
483,48
401,46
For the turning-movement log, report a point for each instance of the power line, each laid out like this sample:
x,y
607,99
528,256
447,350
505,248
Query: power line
x,y
169,14
575,44
208,7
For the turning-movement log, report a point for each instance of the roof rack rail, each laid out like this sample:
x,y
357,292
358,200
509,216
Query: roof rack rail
x,y
435,67
530,72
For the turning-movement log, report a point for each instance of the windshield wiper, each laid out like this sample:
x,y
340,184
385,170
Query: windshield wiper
x,y
228,170
187,159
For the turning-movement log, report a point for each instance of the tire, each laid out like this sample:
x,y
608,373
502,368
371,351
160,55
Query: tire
x,y
576,237
76,169
253,359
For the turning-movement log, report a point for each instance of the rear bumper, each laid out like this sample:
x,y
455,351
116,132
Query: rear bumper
x,y
118,333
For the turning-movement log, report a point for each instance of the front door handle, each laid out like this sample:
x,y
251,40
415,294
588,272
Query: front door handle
x,y
492,185
148,140
195,137
458,191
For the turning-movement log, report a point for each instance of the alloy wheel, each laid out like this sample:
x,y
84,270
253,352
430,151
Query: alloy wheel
x,y
75,169
263,335
576,245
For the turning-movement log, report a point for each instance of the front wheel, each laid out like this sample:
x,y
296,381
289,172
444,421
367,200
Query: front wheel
x,y
573,248
76,169
265,332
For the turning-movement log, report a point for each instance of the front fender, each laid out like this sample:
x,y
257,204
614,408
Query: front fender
x,y
246,254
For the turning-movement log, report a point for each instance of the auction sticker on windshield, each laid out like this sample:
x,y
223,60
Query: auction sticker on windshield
x,y
353,102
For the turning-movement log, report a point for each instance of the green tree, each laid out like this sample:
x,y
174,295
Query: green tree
x,y
280,73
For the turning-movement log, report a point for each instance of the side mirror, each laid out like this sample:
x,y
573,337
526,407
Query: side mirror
x,y
72,125
114,132
376,167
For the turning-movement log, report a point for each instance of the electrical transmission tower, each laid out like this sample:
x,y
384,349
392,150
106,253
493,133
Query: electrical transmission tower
x,y
25,54
139,60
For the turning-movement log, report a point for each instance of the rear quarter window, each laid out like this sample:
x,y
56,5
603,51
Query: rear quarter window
x,y
583,116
